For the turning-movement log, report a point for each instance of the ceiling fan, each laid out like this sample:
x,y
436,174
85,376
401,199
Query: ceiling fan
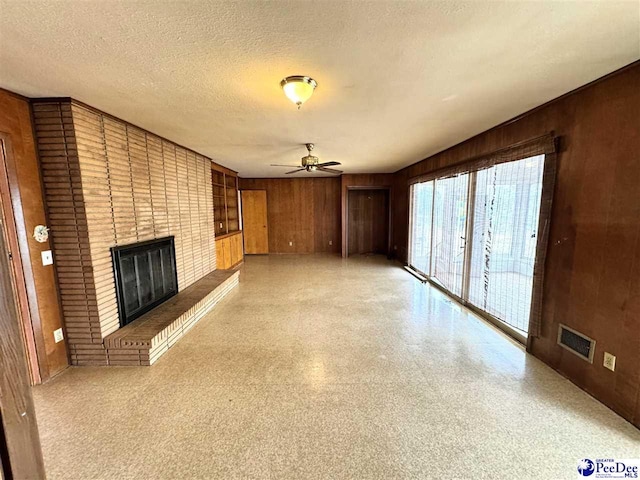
x,y
312,164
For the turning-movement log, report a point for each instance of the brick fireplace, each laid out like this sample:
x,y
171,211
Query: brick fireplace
x,y
108,184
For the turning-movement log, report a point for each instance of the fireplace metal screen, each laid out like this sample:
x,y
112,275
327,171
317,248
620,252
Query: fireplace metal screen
x,y
145,276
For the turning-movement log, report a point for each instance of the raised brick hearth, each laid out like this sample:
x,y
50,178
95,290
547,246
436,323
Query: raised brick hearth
x,y
144,340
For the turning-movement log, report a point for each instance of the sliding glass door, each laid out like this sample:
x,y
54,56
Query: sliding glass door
x,y
505,228
422,212
491,267
449,231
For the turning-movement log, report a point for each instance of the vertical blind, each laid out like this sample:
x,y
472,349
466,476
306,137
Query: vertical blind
x,y
479,229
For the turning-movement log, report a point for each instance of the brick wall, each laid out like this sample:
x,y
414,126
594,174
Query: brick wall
x,y
110,183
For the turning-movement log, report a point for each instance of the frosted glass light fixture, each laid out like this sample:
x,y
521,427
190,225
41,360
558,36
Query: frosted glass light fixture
x,y
298,88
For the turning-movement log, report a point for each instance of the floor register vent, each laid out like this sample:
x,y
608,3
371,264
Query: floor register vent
x,y
576,342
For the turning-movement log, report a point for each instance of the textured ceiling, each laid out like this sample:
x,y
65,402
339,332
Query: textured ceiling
x,y
398,80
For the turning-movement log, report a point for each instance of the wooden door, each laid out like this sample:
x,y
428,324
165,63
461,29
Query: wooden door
x,y
254,222
9,230
20,453
368,221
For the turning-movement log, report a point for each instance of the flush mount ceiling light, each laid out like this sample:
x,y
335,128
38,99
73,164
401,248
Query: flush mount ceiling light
x,y
298,88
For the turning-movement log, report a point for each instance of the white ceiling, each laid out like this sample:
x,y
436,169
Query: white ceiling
x,y
398,80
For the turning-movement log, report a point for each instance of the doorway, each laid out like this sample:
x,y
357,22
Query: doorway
x,y
254,222
20,453
8,230
368,221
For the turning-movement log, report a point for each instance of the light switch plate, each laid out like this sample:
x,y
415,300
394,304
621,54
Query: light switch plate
x,y
58,335
47,258
609,361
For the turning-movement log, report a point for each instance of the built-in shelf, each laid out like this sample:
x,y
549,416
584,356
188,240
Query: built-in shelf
x,y
229,245
225,201
227,235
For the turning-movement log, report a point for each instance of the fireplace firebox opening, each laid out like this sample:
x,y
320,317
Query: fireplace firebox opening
x,y
145,275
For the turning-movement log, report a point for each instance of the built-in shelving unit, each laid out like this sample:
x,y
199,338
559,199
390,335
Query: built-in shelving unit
x,y
226,215
225,200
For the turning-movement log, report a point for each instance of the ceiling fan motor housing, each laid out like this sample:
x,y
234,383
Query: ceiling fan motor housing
x,y
309,160
311,163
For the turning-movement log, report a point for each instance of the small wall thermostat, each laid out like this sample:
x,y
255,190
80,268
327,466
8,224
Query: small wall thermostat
x,y
41,233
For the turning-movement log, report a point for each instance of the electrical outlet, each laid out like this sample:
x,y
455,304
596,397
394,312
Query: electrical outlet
x,y
330,242
609,361
58,335
291,244
47,258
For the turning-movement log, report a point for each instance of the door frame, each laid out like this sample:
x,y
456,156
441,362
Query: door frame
x,y
346,210
241,213
20,452
11,209
468,235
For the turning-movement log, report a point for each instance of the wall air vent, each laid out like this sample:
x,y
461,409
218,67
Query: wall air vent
x,y
576,343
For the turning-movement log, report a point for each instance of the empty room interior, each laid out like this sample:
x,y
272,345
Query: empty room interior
x,y
319,240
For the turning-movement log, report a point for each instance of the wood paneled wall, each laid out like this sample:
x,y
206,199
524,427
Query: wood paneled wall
x,y
592,273
110,183
29,211
305,211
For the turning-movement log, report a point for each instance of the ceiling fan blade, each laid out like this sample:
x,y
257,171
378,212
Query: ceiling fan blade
x,y
328,164
288,166
329,170
296,171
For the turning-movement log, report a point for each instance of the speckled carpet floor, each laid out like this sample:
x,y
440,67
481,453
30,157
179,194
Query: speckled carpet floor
x,y
317,367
